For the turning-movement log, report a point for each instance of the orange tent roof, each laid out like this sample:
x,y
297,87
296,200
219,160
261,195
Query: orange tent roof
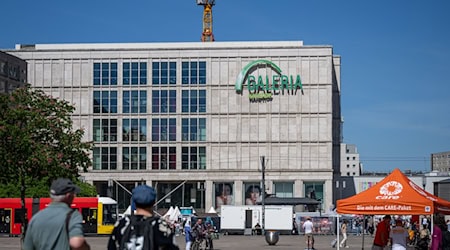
x,y
395,194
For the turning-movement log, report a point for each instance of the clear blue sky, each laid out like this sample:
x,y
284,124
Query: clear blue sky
x,y
395,54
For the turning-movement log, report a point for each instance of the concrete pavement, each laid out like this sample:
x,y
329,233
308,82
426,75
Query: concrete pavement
x,y
231,242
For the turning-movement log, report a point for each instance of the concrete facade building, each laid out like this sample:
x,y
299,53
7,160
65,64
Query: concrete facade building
x,y
440,161
350,163
13,72
194,119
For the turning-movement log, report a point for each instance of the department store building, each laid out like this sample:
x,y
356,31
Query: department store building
x,y
192,118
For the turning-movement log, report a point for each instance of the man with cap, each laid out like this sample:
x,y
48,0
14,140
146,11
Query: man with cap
x,y
57,226
381,238
308,228
142,230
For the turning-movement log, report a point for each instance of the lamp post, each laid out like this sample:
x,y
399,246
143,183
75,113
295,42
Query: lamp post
x,y
263,207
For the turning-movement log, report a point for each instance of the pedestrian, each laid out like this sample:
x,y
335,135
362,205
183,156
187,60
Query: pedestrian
x,y
57,226
381,238
308,229
399,236
436,236
142,230
344,234
188,235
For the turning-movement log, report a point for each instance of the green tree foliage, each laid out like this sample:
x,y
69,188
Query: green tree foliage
x,y
38,143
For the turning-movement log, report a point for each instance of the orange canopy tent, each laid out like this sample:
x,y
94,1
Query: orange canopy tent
x,y
395,194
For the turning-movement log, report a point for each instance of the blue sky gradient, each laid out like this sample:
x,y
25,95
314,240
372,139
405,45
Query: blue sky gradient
x,y
395,55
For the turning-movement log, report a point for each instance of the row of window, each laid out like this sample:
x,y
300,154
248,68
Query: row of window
x,y
135,130
163,101
163,73
163,158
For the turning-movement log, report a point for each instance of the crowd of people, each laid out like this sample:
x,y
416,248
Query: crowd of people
x,y
60,227
399,234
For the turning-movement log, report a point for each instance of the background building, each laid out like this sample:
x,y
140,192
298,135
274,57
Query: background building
x,y
172,115
440,162
13,72
350,164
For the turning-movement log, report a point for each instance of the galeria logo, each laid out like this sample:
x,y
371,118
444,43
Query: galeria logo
x,y
264,87
390,191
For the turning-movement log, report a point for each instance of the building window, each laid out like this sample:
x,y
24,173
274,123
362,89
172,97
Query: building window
x,y
105,102
134,157
134,101
105,73
164,129
105,158
193,157
164,73
134,73
193,101
134,130
193,72
193,129
313,190
164,101
284,189
105,130
164,158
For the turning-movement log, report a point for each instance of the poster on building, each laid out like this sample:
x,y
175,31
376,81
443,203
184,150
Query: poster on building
x,y
223,194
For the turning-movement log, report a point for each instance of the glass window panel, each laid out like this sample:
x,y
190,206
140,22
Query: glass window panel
x,y
172,129
155,129
125,158
143,131
194,101
155,101
202,129
113,74
173,73
155,73
202,101
126,102
185,129
193,129
97,101
185,158
202,157
143,102
142,158
113,108
126,130
164,101
164,130
185,101
172,158
97,133
185,73
155,158
172,101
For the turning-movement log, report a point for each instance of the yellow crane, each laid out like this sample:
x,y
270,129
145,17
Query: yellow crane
x,y
207,32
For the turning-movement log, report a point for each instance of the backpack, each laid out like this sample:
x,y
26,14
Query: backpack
x,y
138,234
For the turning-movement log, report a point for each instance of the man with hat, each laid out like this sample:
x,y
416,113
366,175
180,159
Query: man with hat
x,y
57,226
142,230
308,228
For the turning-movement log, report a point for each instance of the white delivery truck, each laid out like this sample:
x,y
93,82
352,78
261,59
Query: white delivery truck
x,y
240,219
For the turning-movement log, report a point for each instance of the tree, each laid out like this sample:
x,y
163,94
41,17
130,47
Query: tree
x,y
37,140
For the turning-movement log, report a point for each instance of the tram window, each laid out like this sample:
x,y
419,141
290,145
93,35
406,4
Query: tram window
x,y
109,213
18,215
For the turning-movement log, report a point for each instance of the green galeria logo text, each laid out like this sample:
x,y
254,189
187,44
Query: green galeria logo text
x,y
263,88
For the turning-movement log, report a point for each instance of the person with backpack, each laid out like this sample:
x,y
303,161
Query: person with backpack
x,y
142,230
57,226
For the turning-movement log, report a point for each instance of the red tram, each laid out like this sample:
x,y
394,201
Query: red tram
x,y
99,213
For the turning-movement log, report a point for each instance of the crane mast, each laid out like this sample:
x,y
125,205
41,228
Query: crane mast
x,y
207,32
